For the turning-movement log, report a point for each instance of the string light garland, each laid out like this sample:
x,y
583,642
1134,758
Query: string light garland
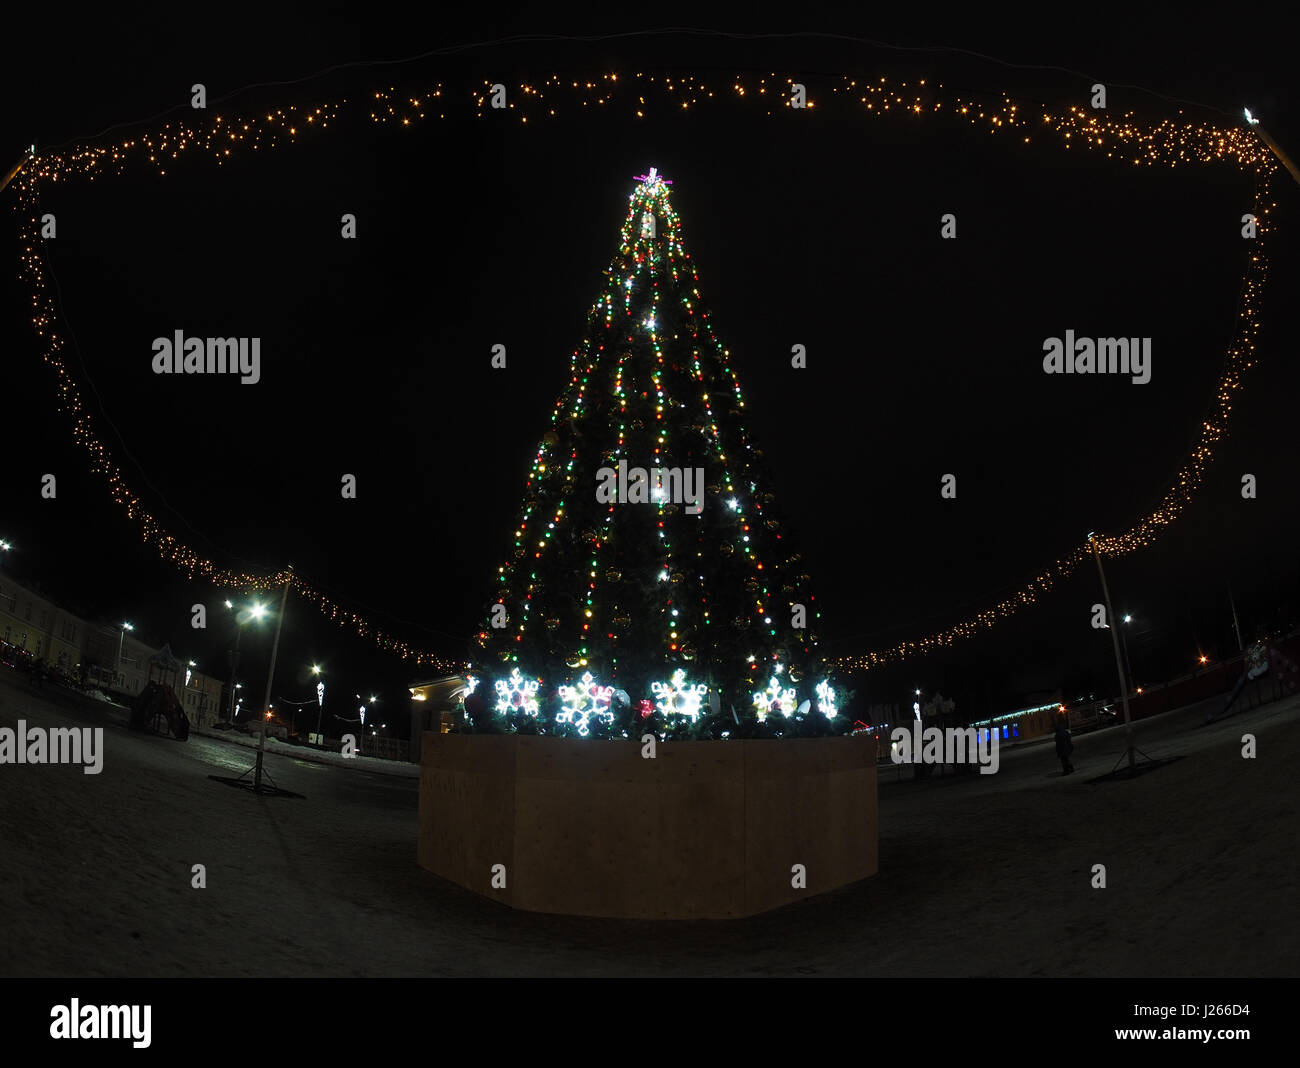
x,y
1171,141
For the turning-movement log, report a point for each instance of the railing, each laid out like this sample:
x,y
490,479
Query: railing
x,y
386,748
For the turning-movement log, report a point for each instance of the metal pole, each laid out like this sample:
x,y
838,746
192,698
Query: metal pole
x,y
1119,666
270,675
1235,627
1276,148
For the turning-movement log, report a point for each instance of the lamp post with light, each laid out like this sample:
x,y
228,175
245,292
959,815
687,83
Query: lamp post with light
x,y
320,698
121,638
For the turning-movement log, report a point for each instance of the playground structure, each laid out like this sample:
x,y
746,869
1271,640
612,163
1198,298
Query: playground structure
x,y
157,708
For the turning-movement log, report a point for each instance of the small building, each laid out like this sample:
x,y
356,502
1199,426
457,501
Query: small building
x,y
435,703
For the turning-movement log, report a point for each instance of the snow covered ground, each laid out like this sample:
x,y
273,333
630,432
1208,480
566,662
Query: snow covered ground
x,y
980,875
317,756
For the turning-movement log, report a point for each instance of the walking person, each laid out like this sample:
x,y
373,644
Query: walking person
x,y
1064,744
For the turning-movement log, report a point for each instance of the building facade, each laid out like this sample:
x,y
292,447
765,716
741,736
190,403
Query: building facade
x,y
32,622
101,655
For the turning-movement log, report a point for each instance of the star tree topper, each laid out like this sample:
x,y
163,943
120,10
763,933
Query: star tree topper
x,y
652,180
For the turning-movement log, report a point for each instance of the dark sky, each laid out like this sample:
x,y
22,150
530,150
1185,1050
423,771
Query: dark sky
x,y
924,357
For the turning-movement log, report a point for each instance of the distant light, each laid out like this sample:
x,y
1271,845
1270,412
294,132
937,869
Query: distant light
x,y
918,693
127,626
315,669
229,605
258,611
1250,118
1128,619
1202,660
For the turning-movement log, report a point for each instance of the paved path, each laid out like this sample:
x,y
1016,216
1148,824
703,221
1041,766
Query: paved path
x,y
987,875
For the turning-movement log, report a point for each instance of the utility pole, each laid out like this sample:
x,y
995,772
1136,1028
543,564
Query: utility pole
x,y
1119,664
270,676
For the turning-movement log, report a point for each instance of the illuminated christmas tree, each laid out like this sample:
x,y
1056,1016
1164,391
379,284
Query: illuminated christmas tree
x,y
651,584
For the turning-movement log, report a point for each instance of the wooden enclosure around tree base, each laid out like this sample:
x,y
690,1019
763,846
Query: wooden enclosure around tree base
x,y
704,830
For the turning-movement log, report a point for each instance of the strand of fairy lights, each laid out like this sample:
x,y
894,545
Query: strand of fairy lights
x,y
1169,142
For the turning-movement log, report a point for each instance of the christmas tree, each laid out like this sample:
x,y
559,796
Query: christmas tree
x,y
651,584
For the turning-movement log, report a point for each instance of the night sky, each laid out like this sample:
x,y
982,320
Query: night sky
x,y
821,229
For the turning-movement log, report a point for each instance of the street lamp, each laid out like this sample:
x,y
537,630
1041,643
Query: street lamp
x,y
117,669
320,697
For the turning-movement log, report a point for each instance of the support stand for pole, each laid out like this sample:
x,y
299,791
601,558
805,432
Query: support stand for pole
x,y
259,772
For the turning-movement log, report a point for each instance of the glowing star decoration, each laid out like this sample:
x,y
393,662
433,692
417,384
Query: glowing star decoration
x,y
517,694
826,700
583,701
653,180
774,699
677,697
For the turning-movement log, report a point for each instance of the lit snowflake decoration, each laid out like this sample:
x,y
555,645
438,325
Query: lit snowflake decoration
x,y
826,700
583,701
774,699
677,697
517,694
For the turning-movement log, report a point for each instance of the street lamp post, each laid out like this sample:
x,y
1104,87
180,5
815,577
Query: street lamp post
x,y
121,638
234,661
320,698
